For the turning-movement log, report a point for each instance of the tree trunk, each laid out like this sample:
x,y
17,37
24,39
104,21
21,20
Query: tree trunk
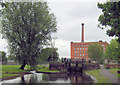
x,y
22,66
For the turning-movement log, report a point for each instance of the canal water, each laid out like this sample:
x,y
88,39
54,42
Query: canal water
x,y
52,78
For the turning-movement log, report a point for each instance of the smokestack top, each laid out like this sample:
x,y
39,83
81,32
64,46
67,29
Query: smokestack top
x,y
82,24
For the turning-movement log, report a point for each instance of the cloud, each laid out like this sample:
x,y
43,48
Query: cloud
x,y
63,47
70,14
3,45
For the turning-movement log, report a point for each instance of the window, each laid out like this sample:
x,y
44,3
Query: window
x,y
75,54
80,48
80,51
80,54
83,48
83,45
75,51
83,54
80,45
83,51
77,48
77,45
74,45
75,57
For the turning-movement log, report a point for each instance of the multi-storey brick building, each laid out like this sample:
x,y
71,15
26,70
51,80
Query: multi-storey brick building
x,y
79,49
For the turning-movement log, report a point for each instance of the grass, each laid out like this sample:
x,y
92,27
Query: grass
x,y
96,74
7,75
8,69
114,71
11,69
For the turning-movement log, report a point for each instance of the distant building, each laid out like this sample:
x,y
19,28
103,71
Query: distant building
x,y
79,49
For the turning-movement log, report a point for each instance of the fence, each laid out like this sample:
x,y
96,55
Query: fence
x,y
112,66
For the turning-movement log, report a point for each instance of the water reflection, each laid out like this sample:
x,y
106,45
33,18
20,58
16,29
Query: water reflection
x,y
72,78
53,78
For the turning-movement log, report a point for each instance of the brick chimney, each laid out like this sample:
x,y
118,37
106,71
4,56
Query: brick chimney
x,y
82,32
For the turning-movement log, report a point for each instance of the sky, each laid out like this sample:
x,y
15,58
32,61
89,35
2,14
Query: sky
x,y
69,16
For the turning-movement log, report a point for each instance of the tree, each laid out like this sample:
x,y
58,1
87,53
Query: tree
x,y
49,54
27,26
110,18
95,52
113,50
3,57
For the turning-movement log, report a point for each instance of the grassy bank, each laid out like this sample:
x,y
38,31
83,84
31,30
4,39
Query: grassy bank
x,y
13,70
114,71
10,70
97,75
8,75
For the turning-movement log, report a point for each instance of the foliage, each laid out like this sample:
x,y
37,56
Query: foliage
x,y
3,57
27,26
113,50
46,69
95,52
110,18
49,54
12,57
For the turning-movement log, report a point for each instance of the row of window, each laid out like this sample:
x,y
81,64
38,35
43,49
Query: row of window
x,y
81,48
80,54
80,45
80,51
83,45
80,58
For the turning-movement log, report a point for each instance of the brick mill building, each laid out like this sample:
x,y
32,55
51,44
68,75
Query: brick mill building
x,y
79,49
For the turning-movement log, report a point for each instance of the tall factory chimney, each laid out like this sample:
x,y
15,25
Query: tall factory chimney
x,y
82,32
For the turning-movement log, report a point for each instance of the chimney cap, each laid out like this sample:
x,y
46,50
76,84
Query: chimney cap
x,y
82,24
100,40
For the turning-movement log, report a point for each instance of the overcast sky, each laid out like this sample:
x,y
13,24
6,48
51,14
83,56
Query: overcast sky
x,y
70,14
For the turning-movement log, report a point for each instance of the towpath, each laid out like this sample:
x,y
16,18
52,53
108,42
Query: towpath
x,y
109,75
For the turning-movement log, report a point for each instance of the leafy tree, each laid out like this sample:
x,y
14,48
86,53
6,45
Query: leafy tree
x,y
110,18
95,52
12,57
27,26
49,54
3,57
113,50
